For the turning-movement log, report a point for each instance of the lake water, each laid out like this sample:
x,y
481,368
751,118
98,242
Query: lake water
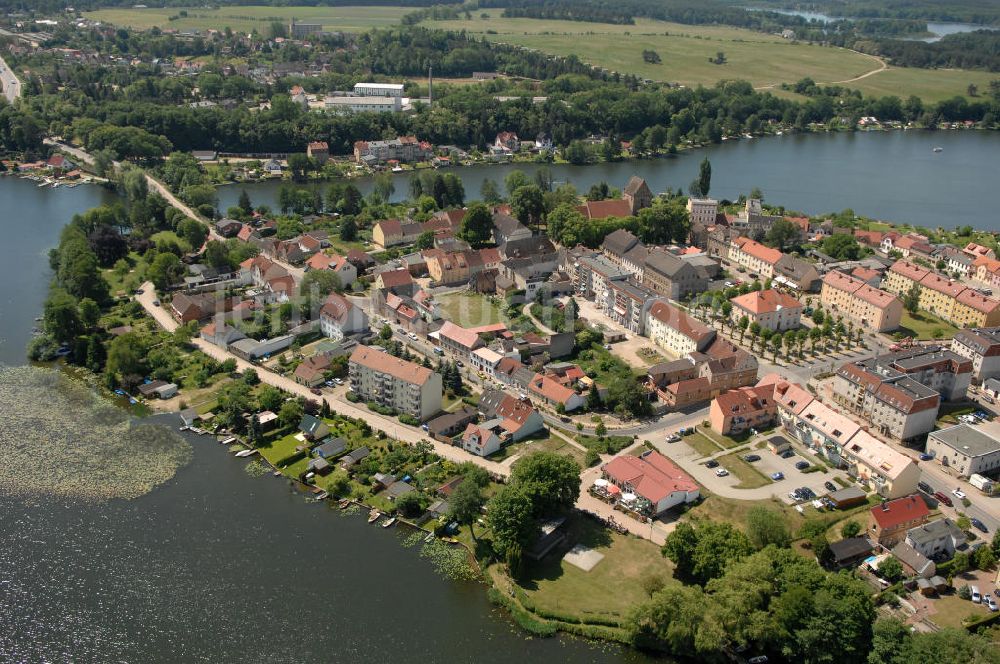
x,y
936,28
894,176
216,566
30,221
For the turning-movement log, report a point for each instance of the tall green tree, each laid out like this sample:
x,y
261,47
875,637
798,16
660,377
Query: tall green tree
x,y
477,225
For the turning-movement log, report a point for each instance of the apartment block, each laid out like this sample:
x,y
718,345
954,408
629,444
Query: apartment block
x,y
870,308
389,381
982,347
674,330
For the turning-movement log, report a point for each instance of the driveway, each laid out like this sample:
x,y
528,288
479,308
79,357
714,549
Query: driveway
x,y
627,350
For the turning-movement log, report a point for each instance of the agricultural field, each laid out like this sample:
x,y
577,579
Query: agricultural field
x,y
346,19
766,61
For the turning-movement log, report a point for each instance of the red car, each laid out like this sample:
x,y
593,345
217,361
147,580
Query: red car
x,y
942,498
316,391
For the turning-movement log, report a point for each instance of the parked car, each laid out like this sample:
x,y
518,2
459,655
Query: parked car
x,y
787,454
979,525
777,476
721,472
988,399
316,391
156,303
982,414
976,596
990,603
958,493
830,486
926,457
806,493
751,458
673,438
943,498
711,463
801,465
925,487
412,336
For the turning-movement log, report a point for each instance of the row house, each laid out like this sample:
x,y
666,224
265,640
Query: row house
x,y
870,308
944,297
391,232
754,256
956,262
879,467
897,405
796,273
943,371
902,276
618,244
982,347
986,271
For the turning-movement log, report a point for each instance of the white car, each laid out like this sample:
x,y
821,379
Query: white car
x,y
412,336
990,603
721,472
958,493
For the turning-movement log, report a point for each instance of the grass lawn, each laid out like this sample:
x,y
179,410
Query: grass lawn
x,y
549,443
612,444
250,18
279,449
727,442
925,325
950,610
749,477
469,309
611,589
734,511
763,59
702,444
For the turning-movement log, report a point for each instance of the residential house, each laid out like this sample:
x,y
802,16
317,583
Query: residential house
x,y
402,149
868,307
753,256
890,521
311,372
674,330
880,467
395,383
902,276
313,428
796,273
771,309
448,425
517,416
672,277
398,281
221,334
657,483
938,539
702,210
978,251
354,457
982,347
736,411
486,361
897,405
507,228
550,392
391,232
318,151
458,340
480,439
617,244
507,141
340,317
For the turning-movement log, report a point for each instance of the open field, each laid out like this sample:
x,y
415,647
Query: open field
x,y
468,309
348,19
610,589
764,60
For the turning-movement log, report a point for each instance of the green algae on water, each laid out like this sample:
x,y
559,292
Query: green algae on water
x,y
59,438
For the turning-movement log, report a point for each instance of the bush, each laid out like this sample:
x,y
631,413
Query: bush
x,y
592,458
964,592
353,398
406,418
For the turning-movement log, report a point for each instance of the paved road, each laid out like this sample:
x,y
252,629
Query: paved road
x,y
9,82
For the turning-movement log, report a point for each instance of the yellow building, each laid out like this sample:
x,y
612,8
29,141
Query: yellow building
x,y
754,256
973,309
870,308
901,277
938,293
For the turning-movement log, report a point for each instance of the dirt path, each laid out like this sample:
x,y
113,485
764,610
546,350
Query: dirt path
x,y
883,66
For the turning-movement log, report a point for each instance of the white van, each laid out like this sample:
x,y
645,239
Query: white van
x,y
976,597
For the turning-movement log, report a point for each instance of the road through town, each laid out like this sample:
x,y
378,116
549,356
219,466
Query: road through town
x,y
9,82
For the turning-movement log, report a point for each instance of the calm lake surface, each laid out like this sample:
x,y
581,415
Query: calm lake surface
x,y
936,28
890,175
217,566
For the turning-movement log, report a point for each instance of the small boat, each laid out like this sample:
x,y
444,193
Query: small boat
x,y
276,473
227,441
429,537
344,504
322,495
246,453
938,149
183,428
388,524
374,516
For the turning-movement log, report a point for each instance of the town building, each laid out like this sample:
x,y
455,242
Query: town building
x,y
445,427
753,256
672,277
549,391
938,539
702,210
771,309
480,439
637,194
870,308
736,411
312,370
889,522
517,416
651,483
319,151
389,381
339,317
403,149
879,467
967,450
943,371
982,347
676,331
944,297
796,273
896,404
299,30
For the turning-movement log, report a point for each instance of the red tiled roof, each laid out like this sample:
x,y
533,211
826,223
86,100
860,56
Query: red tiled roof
x,y
949,287
319,262
909,270
875,296
550,389
900,511
387,364
653,476
758,250
767,301
614,207
864,273
459,335
680,321
393,278
977,301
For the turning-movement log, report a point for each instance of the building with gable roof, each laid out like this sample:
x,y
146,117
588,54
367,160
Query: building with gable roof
x,y
889,522
754,256
676,331
770,309
339,317
657,483
637,194
982,347
870,308
390,381
736,411
517,416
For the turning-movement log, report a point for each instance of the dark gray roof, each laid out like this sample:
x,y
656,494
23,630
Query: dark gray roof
x,y
331,447
935,530
397,489
357,455
619,242
851,547
506,224
912,558
528,246
635,184
490,401
967,440
667,264
849,493
449,420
